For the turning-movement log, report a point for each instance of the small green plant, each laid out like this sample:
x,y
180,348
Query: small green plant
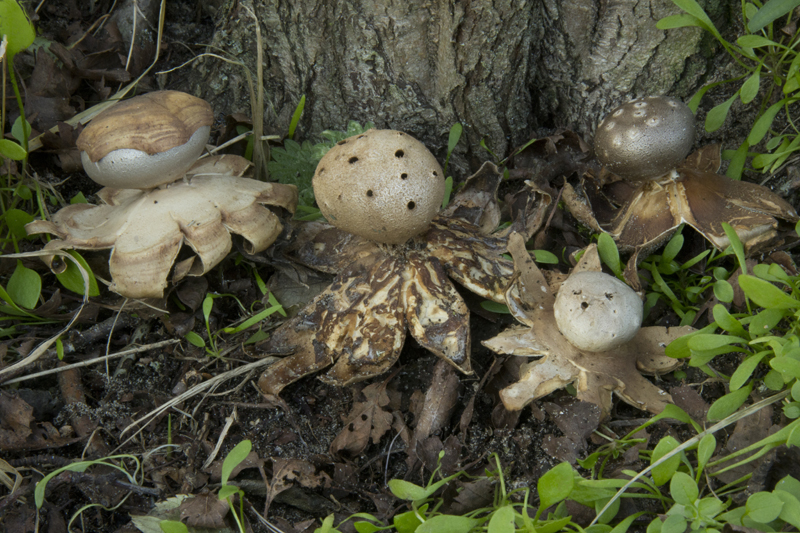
x,y
509,512
690,504
768,57
18,30
226,492
452,142
18,196
768,336
501,162
295,163
678,479
683,286
212,346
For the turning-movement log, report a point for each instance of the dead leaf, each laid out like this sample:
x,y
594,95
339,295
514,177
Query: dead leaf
x,y
287,471
576,420
440,400
63,145
688,399
204,510
16,417
472,495
367,420
192,291
561,448
433,414
747,431
251,461
19,431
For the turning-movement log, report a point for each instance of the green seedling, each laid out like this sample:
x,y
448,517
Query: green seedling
x,y
226,491
214,337
502,162
134,476
452,142
17,28
295,163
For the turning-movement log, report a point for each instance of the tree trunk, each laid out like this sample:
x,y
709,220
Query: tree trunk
x,y
506,70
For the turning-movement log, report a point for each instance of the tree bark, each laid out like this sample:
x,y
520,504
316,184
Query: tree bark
x,y
506,70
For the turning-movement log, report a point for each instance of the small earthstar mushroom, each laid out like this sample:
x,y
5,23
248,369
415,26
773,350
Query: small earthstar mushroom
x,y
382,185
648,187
146,141
590,302
596,312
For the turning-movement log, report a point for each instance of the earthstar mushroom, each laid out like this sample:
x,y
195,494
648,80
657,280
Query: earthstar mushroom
x,y
645,138
596,312
381,290
595,374
647,188
145,228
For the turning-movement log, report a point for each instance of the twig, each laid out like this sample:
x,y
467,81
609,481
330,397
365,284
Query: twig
x,y
119,312
145,348
212,383
229,420
136,488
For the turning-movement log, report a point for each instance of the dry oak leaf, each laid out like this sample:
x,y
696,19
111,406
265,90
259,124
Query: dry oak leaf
x,y
367,420
145,229
596,375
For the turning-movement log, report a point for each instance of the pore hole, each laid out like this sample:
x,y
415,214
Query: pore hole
x,y
352,160
399,153
369,193
584,305
341,143
411,205
403,176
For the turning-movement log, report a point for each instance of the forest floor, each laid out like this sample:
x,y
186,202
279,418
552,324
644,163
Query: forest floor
x,y
319,449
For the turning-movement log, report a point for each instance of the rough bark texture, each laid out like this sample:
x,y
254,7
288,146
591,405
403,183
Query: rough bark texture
x,y
506,70
597,55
